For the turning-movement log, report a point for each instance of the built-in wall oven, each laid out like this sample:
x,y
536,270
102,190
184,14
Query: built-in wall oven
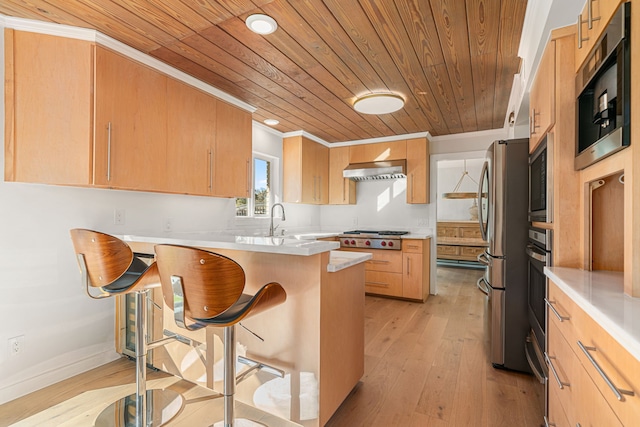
x,y
541,181
539,256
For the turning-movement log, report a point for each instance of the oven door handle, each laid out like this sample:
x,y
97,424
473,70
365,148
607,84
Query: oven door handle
x,y
531,252
484,289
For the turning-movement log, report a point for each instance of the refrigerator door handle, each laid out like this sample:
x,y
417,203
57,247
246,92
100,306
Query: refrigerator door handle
x,y
483,175
484,289
483,258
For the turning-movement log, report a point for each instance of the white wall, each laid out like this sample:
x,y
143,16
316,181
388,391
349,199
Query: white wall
x,y
449,175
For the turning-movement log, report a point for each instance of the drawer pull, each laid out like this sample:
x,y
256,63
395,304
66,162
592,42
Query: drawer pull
x,y
553,371
375,261
616,391
560,318
547,423
379,284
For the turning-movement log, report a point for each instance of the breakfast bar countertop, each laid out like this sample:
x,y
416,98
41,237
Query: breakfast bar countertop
x,y
287,245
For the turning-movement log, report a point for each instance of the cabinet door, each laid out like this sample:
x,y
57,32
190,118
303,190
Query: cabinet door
x,y
412,284
342,191
48,99
417,170
130,124
232,156
396,150
310,182
542,97
322,173
191,129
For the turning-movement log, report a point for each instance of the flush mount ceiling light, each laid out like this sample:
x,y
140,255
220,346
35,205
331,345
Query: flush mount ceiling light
x,y
261,24
271,122
379,103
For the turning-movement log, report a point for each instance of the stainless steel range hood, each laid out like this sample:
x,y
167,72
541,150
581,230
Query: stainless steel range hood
x,y
376,170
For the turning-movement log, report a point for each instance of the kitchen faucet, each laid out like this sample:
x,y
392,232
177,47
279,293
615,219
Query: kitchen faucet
x,y
271,229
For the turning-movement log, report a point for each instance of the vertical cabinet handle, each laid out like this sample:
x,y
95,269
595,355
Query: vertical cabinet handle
x,y
408,266
210,170
580,39
108,151
248,178
412,188
344,190
553,309
590,18
616,391
553,371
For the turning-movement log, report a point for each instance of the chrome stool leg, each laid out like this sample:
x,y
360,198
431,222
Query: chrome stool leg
x,y
144,408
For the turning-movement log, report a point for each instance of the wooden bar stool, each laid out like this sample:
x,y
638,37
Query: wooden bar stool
x,y
109,266
205,290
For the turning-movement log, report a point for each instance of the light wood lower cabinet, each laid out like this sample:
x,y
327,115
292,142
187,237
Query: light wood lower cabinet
x,y
401,274
585,396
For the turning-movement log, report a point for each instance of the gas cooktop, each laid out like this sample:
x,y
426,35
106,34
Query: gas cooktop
x,y
372,239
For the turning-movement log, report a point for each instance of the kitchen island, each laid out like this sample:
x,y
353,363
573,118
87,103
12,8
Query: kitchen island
x,y
316,337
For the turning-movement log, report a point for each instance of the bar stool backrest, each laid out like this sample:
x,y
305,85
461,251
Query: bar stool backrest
x,y
107,257
212,283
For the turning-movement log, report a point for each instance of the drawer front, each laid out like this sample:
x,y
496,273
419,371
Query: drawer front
x,y
471,251
383,283
561,312
389,261
470,233
622,369
411,245
590,408
556,417
448,250
447,231
563,362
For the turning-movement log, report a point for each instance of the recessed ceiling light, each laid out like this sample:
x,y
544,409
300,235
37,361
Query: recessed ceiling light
x,y
379,103
261,24
271,122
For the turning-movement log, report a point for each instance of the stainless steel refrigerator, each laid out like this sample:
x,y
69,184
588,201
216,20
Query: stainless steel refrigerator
x,y
503,195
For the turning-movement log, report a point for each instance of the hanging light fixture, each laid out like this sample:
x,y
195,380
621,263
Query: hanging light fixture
x,y
455,194
379,103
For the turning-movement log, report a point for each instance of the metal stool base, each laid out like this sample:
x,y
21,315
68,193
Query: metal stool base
x,y
161,407
240,422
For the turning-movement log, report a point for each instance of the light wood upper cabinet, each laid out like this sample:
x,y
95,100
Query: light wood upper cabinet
x,y
81,114
418,170
542,113
342,191
601,13
306,169
130,124
232,156
49,103
395,150
191,131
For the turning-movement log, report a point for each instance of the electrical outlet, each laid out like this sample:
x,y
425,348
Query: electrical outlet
x,y
118,217
354,221
16,345
167,224
423,222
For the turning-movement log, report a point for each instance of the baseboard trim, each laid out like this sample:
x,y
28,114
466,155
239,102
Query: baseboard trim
x,y
55,375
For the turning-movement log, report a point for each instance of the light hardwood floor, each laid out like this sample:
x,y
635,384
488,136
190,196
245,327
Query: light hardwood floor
x,y
425,365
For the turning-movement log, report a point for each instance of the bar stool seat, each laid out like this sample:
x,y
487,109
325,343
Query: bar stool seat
x,y
109,267
205,289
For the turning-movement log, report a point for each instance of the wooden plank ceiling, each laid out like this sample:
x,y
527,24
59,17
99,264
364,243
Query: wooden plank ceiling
x,y
452,60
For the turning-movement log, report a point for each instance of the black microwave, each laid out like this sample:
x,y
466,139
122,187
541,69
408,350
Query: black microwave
x,y
541,182
603,82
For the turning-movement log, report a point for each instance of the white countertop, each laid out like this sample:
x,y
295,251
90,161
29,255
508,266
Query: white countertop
x,y
600,294
288,245
339,260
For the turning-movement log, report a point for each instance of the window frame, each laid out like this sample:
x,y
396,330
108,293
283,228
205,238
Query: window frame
x,y
273,187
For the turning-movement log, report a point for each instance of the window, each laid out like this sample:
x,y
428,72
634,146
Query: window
x,y
262,199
